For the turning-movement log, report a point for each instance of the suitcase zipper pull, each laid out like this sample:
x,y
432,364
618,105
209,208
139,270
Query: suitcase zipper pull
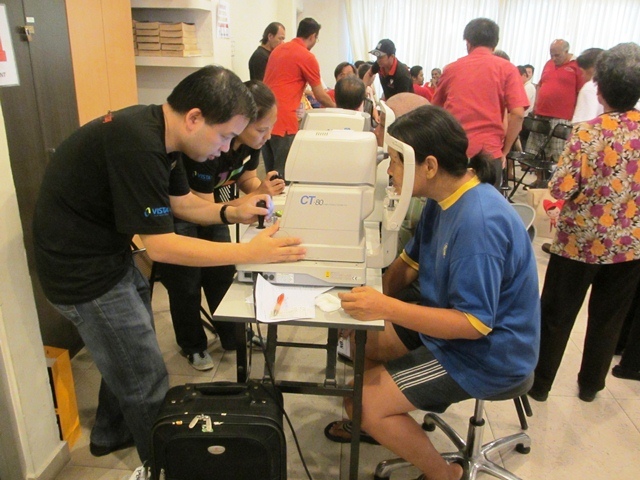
x,y
195,420
207,427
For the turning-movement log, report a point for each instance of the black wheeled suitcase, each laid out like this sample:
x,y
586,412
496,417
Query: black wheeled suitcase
x,y
220,430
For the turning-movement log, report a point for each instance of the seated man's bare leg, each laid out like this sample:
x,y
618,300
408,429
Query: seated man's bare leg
x,y
385,417
381,346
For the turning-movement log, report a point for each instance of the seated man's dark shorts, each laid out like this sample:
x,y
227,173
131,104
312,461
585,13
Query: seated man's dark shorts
x,y
421,378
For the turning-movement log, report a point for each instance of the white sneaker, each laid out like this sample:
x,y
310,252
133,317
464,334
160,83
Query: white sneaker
x,y
141,473
201,360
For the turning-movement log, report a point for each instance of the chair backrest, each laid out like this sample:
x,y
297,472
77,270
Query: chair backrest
x,y
390,117
527,214
562,131
536,125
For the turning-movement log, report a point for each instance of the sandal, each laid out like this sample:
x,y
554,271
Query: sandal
x,y
340,432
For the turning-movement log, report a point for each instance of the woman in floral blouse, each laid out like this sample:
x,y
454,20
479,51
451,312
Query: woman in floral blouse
x,y
597,243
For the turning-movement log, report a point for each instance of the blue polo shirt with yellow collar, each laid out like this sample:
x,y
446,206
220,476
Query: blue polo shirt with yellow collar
x,y
474,255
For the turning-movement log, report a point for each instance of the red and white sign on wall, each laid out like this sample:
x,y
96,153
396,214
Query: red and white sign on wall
x,y
8,69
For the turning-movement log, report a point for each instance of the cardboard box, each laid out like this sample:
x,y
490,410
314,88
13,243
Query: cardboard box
x,y
180,26
64,393
149,53
179,40
147,39
148,32
176,34
166,46
148,46
147,25
181,53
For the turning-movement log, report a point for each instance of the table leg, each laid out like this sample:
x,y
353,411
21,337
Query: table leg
x,y
271,344
242,372
356,417
332,356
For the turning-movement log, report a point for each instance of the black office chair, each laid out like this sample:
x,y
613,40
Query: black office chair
x,y
538,161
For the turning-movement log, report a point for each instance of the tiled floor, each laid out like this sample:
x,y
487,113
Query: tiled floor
x,y
570,439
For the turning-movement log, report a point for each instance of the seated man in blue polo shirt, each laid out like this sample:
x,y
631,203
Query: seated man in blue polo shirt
x,y
475,331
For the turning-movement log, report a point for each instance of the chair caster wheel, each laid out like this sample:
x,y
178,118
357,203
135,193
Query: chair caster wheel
x,y
428,427
520,448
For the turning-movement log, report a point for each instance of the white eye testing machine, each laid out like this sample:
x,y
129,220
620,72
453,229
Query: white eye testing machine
x,y
331,205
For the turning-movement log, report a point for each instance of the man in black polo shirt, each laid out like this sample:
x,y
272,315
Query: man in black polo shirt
x,y
394,75
121,175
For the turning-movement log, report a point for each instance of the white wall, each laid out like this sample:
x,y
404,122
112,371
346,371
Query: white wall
x,y
30,443
333,46
249,18
246,31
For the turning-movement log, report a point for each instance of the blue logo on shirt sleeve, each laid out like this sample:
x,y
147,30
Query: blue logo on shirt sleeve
x,y
156,211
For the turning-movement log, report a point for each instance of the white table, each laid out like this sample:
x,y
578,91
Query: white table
x,y
234,308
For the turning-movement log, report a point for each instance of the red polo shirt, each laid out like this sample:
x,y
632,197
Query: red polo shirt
x,y
291,66
558,90
477,89
423,91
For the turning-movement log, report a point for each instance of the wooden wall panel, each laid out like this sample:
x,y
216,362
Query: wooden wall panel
x,y
88,54
118,39
102,52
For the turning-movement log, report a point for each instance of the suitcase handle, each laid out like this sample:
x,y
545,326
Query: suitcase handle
x,y
220,388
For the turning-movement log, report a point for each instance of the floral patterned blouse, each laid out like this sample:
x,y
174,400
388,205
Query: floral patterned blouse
x,y
598,177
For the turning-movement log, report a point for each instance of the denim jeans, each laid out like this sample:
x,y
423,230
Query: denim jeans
x,y
117,329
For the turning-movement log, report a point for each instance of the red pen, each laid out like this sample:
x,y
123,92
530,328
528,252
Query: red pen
x,y
279,302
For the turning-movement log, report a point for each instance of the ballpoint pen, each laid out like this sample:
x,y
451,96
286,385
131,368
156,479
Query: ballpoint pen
x,y
279,302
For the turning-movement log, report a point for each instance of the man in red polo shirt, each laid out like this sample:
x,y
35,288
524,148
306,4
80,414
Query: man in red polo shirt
x,y
558,89
478,89
290,68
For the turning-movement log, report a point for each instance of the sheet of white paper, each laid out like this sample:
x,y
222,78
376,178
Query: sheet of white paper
x,y
298,302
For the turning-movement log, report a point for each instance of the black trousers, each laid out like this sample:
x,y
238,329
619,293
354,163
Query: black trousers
x,y
565,286
496,163
184,286
630,336
275,152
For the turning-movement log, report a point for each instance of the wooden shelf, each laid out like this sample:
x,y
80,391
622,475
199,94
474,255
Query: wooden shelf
x,y
183,4
192,62
199,12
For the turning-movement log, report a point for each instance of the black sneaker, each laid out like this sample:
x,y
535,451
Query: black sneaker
x,y
254,339
200,361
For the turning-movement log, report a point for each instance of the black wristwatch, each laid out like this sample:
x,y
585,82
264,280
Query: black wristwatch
x,y
223,215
